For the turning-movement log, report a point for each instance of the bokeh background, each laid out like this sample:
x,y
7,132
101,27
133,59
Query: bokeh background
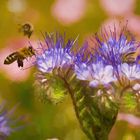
x,y
75,17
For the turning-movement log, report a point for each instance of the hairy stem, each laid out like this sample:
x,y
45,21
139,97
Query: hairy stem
x,y
76,108
95,118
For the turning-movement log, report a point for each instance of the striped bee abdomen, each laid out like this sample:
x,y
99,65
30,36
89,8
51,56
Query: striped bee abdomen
x,y
11,58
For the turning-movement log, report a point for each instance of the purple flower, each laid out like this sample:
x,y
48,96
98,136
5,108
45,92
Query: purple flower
x,y
132,72
104,66
83,72
83,55
96,73
112,58
6,123
114,50
57,55
102,74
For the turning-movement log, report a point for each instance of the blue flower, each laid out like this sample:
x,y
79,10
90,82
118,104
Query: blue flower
x,y
113,57
103,75
96,73
57,55
6,123
131,72
113,51
83,55
83,72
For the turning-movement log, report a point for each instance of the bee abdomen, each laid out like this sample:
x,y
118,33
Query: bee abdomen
x,y
11,58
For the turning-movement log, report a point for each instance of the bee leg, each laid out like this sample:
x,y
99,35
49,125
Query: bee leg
x,y
29,34
20,62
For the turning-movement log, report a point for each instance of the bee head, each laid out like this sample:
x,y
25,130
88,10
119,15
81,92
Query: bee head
x,y
26,27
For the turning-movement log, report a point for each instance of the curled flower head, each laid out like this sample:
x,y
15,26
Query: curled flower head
x,y
54,63
56,55
113,58
115,50
119,51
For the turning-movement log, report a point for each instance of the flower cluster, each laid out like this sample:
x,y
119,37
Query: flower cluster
x,y
95,80
56,55
114,60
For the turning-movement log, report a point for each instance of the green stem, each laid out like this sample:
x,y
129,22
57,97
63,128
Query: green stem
x,y
93,121
76,109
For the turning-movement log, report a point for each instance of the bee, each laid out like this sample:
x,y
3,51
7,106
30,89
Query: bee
x,y
129,58
27,29
19,56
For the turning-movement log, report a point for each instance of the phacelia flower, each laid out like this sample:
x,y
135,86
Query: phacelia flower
x,y
96,73
115,50
83,72
132,72
112,58
57,54
119,51
6,123
102,74
83,55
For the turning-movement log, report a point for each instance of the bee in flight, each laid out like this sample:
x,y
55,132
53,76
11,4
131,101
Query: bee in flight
x,y
19,56
27,29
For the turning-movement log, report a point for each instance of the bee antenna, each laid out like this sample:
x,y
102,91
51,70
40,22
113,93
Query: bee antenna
x,y
30,44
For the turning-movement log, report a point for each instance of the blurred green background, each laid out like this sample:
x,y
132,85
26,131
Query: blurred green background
x,y
75,17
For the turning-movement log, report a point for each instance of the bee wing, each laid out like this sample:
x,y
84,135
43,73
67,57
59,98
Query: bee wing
x,y
11,58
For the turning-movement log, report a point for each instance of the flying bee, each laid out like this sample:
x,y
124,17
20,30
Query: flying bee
x,y
27,29
19,56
